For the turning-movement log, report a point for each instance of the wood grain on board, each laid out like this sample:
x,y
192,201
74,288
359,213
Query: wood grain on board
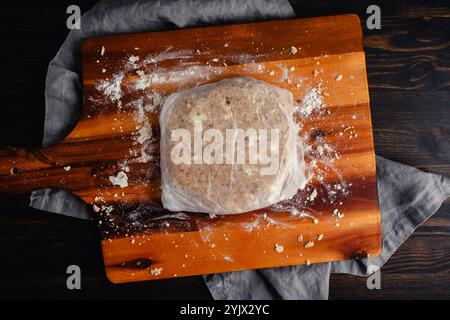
x,y
198,244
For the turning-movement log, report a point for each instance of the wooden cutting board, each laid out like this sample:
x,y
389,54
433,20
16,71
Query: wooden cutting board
x,y
125,78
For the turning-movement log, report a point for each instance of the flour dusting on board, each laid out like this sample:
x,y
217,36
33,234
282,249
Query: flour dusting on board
x,y
112,88
311,103
136,90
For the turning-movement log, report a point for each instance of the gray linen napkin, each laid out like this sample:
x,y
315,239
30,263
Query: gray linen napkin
x,y
407,196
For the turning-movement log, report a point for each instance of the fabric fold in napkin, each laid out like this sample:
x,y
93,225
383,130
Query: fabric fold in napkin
x,y
407,196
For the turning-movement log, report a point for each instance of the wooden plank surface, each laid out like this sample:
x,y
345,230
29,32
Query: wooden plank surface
x,y
103,142
421,109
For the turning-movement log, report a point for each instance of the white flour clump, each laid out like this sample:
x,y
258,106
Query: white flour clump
x,y
293,50
279,248
112,89
156,271
120,179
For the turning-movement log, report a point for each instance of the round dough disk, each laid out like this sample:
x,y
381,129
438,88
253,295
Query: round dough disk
x,y
230,188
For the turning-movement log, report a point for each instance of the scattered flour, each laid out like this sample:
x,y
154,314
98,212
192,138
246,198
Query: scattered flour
x,y
312,195
106,209
144,133
311,102
133,59
309,244
150,73
167,55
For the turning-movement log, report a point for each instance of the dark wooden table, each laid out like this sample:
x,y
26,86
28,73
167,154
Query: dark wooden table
x,y
408,63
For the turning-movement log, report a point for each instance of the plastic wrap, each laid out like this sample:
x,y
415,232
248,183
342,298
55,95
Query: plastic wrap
x,y
229,147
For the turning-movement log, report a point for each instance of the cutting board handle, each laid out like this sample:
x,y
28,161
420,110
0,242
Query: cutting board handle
x,y
24,170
